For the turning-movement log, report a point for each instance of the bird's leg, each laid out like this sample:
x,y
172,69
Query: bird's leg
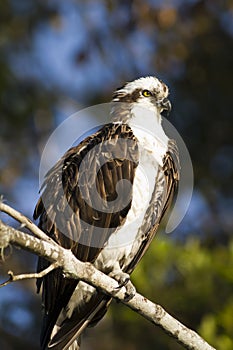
x,y
124,281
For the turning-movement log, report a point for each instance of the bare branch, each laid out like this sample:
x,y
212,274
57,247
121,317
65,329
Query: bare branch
x,y
25,276
50,250
24,221
73,268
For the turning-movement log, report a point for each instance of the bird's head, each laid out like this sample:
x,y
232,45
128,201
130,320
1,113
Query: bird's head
x,y
148,92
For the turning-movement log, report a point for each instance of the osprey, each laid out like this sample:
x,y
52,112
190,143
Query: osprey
x,y
113,225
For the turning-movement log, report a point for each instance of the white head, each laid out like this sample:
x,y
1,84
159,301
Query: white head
x,y
148,92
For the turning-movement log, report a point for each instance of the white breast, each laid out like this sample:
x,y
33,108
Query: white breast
x,y
152,148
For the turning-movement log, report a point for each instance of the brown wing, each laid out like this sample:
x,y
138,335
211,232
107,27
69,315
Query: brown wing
x,y
162,197
80,207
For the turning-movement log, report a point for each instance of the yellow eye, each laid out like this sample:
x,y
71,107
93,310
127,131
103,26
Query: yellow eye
x,y
146,93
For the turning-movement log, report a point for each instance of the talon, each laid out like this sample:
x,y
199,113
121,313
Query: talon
x,y
124,281
130,291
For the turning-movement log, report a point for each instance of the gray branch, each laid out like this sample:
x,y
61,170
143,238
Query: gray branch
x,y
73,268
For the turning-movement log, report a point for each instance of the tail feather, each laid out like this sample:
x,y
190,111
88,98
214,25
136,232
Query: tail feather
x,y
68,335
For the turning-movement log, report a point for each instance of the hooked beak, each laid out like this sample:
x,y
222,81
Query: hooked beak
x,y
165,105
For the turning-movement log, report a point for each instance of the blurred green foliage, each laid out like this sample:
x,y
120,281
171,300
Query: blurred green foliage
x,y
192,282
189,45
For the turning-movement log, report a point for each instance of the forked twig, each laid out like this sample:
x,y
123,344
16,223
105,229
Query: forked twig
x,y
14,278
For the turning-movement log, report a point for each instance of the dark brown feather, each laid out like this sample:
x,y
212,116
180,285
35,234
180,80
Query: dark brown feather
x,y
166,185
65,216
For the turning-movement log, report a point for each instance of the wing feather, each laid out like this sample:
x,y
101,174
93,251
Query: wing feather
x,y
73,221
162,197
